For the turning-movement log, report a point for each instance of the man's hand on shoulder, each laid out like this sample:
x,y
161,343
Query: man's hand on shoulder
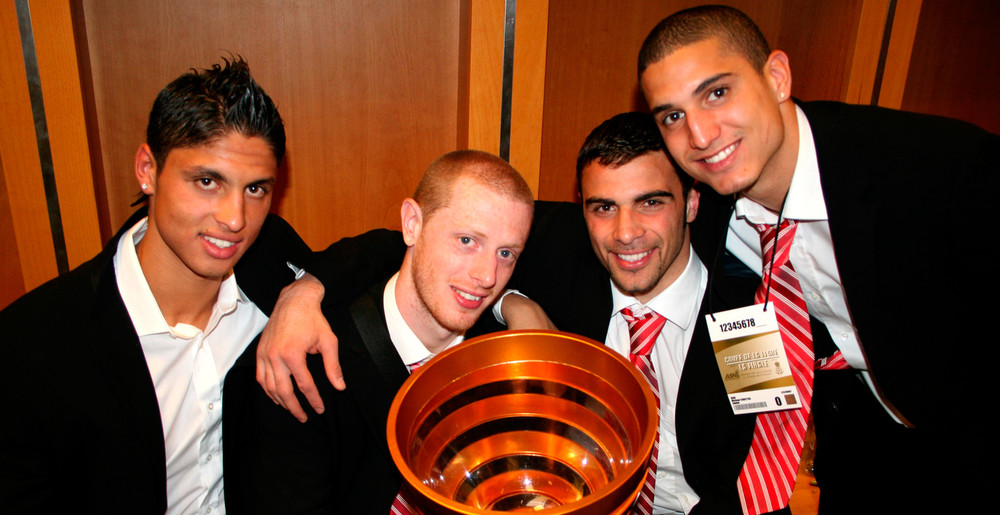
x,y
296,328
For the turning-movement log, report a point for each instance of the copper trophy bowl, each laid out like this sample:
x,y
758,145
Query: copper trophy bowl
x,y
524,421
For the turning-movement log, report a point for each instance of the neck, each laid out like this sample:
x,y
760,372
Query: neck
x,y
776,176
415,313
181,296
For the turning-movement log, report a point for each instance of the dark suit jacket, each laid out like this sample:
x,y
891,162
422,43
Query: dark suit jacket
x,y
560,271
910,200
82,430
910,203
337,462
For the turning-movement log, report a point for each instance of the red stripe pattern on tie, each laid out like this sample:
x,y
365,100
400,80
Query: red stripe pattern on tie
x,y
399,504
643,330
768,475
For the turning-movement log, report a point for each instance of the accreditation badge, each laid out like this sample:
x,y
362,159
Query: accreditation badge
x,y
752,359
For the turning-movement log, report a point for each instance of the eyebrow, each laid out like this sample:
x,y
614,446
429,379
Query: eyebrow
x,y
653,194
201,171
641,198
705,84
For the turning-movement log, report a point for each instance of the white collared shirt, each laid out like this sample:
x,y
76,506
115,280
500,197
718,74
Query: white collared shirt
x,y
812,248
680,304
409,347
188,367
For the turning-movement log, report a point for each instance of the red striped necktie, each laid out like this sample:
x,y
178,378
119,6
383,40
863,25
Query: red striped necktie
x,y
643,330
768,476
399,504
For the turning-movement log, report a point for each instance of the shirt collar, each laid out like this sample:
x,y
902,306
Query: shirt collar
x,y
805,193
147,319
407,344
674,303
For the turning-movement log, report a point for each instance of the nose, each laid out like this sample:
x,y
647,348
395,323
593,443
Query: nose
x,y
484,270
231,211
702,129
627,229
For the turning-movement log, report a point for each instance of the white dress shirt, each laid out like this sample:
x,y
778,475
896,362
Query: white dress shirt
x,y
188,367
812,249
680,304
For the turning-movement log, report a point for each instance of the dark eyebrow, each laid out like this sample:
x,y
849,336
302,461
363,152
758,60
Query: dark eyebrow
x,y
705,84
653,194
597,200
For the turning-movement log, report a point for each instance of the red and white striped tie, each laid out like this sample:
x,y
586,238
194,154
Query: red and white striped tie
x,y
399,504
768,476
643,330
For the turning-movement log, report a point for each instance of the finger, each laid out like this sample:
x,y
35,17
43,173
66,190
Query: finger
x,y
304,380
285,392
328,347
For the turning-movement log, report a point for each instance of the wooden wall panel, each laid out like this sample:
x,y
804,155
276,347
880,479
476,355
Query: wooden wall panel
x,y
20,169
955,64
593,46
369,91
55,48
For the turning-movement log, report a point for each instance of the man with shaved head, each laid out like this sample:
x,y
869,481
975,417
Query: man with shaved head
x,y
464,229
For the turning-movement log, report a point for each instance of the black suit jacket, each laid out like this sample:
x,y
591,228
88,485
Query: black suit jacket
x,y
337,462
82,430
560,271
910,201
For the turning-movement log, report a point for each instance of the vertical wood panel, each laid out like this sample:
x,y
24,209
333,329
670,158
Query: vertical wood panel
x,y
897,60
369,91
485,74
56,52
955,66
593,47
529,89
20,164
864,53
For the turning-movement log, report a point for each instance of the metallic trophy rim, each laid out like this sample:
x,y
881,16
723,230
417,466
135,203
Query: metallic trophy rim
x,y
634,471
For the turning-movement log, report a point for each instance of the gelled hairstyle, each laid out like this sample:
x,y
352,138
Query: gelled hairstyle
x,y
202,106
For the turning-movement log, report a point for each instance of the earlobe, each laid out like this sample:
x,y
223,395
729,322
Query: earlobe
x,y
692,205
779,73
145,169
412,220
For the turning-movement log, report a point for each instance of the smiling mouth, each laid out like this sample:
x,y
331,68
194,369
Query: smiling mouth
x,y
222,244
632,258
468,296
721,155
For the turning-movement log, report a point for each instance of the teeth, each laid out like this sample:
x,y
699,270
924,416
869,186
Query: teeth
x,y
468,296
632,258
222,244
721,155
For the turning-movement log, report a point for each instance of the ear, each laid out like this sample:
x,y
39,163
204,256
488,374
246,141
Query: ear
x,y
691,209
778,72
145,169
412,219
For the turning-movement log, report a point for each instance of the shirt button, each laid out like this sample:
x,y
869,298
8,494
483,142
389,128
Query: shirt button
x,y
661,475
844,336
208,458
211,406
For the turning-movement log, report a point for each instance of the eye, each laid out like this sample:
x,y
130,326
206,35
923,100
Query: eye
x,y
602,209
257,190
672,118
466,240
717,94
506,254
206,183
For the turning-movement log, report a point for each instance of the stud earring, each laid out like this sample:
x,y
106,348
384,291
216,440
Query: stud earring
x,y
144,186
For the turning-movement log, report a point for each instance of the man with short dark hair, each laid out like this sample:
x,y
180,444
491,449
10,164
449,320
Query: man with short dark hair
x,y
465,228
894,417
637,212
124,357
